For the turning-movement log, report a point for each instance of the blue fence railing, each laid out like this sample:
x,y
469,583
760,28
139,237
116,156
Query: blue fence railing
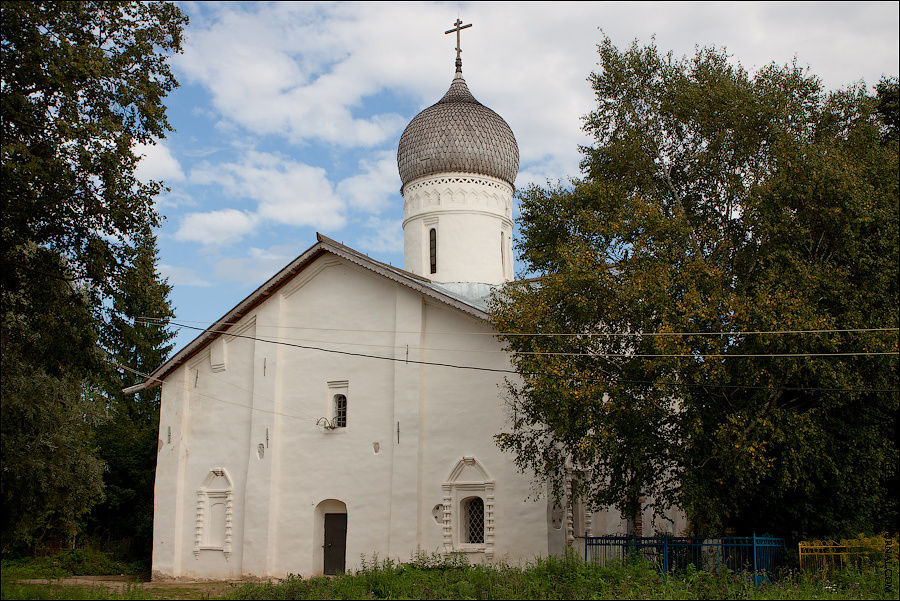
x,y
756,555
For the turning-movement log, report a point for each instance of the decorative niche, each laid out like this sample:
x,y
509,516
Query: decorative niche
x,y
215,513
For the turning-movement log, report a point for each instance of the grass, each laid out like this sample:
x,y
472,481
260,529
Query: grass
x,y
12,590
437,577
562,578
80,562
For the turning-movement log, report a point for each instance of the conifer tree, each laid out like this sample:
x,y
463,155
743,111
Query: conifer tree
x,y
136,339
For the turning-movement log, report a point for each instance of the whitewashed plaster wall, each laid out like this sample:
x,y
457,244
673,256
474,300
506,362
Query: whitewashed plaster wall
x,y
472,217
209,414
249,407
283,466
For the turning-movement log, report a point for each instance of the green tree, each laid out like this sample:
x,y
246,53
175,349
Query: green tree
x,y
136,339
715,204
51,400
81,83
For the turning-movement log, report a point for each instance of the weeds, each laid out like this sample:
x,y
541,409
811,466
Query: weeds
x,y
11,590
434,576
439,577
74,562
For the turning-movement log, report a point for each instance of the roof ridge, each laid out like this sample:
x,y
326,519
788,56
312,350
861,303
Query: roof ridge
x,y
342,246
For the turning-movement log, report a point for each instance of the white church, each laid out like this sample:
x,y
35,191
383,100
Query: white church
x,y
281,454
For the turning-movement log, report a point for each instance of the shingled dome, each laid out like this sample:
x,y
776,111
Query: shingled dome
x,y
458,134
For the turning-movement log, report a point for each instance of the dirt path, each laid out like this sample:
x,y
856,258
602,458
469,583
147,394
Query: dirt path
x,y
161,590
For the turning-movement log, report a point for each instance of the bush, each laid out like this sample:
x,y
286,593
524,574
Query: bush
x,y
73,562
437,577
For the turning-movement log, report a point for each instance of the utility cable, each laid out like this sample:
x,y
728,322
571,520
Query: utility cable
x,y
216,399
283,339
548,334
546,374
597,355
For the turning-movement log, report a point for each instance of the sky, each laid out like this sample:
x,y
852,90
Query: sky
x,y
288,115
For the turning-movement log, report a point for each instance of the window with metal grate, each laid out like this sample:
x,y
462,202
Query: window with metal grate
x,y
340,411
473,510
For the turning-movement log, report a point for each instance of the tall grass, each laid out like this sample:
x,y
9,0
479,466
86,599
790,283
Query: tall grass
x,y
438,577
433,577
74,562
11,590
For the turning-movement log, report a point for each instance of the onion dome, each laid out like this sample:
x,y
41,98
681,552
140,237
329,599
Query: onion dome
x,y
458,134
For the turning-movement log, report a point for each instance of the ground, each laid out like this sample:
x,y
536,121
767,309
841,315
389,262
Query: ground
x,y
160,590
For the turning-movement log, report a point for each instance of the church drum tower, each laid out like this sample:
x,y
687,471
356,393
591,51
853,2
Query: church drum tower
x,y
458,161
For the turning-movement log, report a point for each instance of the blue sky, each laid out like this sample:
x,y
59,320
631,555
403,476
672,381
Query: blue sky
x,y
289,114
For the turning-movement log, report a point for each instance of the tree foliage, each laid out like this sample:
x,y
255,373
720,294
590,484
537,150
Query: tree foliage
x,y
136,340
82,83
715,204
50,403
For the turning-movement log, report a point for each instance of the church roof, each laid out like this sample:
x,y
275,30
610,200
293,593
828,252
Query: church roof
x,y
469,300
458,134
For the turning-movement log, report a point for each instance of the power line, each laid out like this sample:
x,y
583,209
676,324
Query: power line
x,y
564,354
308,417
550,334
281,339
546,374
216,399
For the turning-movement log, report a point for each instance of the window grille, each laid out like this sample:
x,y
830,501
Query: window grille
x,y
432,245
473,510
340,411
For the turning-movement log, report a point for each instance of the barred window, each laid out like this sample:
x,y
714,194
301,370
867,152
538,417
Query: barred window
x,y
340,411
473,520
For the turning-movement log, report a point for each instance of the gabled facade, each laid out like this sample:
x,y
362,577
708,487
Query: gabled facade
x,y
252,462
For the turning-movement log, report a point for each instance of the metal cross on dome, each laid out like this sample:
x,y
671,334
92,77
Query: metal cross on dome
x,y
458,27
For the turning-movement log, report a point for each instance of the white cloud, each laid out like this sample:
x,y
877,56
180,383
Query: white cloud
x,y
288,69
259,264
286,191
224,226
157,163
308,71
182,276
382,236
376,186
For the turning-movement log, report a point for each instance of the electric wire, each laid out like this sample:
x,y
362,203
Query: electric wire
x,y
309,417
547,334
253,395
564,376
549,353
281,339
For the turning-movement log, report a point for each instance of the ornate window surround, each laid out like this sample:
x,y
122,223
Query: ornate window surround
x,y
455,491
577,512
204,495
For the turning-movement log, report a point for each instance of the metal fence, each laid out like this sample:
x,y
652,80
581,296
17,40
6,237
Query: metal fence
x,y
826,555
756,555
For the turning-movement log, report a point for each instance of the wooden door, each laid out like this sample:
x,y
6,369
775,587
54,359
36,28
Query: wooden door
x,y
335,547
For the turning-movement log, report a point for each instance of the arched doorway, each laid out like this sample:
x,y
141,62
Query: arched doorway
x,y
331,536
